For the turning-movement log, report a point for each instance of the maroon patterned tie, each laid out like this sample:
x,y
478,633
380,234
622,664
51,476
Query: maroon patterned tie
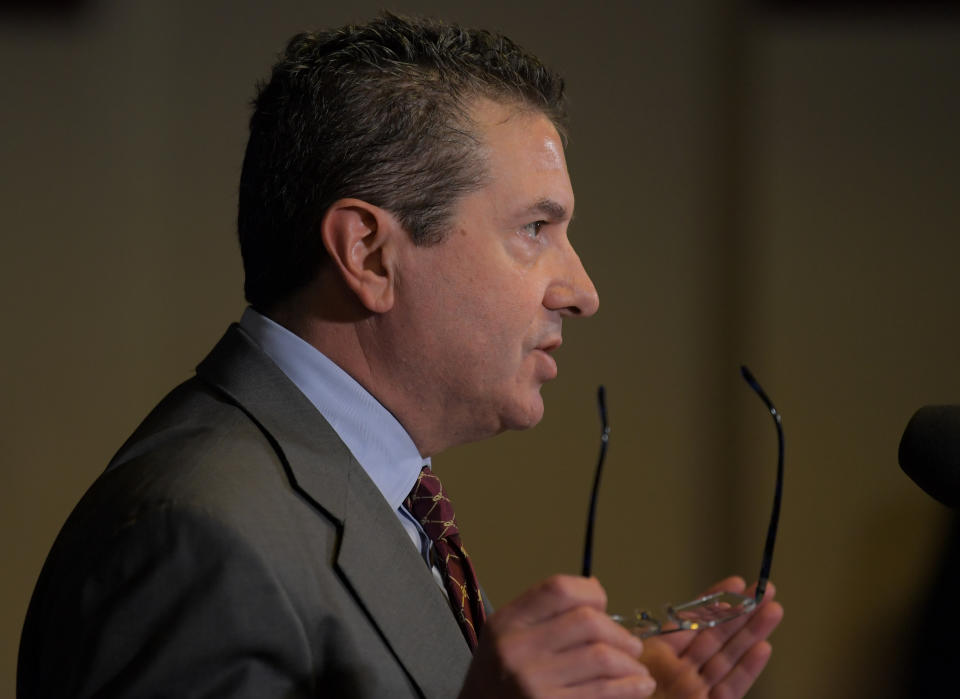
x,y
429,504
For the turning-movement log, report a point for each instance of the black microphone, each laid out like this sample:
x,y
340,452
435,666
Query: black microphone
x,y
930,452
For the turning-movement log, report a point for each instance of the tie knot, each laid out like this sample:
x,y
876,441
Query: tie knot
x,y
429,504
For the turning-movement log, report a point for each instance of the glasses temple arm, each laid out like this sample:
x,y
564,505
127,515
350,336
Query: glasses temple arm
x,y
767,561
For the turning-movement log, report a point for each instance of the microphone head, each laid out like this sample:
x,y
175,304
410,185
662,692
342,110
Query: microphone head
x,y
930,452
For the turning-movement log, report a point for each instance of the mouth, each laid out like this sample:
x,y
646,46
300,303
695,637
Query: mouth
x,y
550,345
549,364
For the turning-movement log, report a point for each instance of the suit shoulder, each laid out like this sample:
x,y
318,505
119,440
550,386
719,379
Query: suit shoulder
x,y
197,450
193,442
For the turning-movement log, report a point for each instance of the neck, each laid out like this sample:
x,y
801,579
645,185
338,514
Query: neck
x,y
361,343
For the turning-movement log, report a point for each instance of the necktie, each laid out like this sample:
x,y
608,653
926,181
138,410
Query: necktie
x,y
429,504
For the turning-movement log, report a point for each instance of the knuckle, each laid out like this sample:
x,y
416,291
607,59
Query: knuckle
x,y
585,617
602,657
597,624
558,585
601,595
568,587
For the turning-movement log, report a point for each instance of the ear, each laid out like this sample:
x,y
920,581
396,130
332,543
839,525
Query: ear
x,y
360,237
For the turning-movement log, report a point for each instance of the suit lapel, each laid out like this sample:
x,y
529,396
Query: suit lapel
x,y
400,593
375,556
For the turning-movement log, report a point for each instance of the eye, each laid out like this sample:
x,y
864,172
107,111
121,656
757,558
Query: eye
x,y
532,230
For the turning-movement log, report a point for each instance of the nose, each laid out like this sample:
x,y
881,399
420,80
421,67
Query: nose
x,y
572,291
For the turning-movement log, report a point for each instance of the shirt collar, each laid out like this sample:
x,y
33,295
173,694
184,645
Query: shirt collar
x,y
372,434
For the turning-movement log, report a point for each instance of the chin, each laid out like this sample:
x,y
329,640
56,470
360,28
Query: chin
x,y
527,414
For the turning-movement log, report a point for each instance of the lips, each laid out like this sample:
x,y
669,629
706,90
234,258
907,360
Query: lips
x,y
549,345
548,363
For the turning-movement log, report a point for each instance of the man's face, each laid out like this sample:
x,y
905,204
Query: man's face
x,y
479,314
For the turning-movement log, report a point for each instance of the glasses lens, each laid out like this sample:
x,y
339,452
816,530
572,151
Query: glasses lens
x,y
711,610
639,623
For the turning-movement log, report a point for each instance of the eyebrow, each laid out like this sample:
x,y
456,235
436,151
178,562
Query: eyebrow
x,y
551,208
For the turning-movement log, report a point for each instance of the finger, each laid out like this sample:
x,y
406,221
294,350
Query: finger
x,y
585,625
553,596
680,641
589,664
623,688
732,584
708,643
736,684
768,594
739,646
676,678
575,627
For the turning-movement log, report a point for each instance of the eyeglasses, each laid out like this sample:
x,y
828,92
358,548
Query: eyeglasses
x,y
710,610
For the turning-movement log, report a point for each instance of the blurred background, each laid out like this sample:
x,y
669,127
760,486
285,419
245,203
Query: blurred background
x,y
769,183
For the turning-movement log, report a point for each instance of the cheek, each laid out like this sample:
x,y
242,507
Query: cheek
x,y
502,340
486,319
478,342
505,313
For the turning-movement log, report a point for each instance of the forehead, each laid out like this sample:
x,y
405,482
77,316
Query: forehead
x,y
523,154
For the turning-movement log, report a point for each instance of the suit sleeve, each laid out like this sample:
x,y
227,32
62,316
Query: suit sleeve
x,y
173,603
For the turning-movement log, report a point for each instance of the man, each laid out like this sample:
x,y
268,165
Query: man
x,y
403,219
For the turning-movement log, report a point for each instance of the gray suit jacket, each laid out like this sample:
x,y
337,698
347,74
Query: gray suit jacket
x,y
234,548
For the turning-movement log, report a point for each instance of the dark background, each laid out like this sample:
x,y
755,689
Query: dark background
x,y
756,182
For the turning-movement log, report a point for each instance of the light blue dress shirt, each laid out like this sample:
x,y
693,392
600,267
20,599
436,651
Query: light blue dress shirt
x,y
373,435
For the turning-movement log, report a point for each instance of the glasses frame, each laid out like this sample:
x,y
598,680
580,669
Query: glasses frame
x,y
709,610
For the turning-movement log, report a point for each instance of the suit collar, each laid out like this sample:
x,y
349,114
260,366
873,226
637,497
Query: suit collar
x,y
238,368
371,432
375,555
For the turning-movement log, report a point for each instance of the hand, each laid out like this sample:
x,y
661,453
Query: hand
x,y
719,663
556,640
